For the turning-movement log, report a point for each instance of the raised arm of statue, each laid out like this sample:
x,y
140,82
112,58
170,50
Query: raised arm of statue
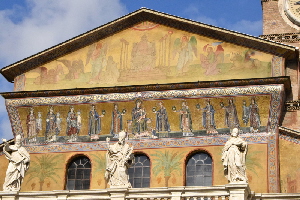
x,y
5,149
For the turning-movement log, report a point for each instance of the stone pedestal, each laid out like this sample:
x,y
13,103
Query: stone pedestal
x,y
117,193
238,191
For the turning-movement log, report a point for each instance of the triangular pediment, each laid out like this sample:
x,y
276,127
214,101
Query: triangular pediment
x,y
148,47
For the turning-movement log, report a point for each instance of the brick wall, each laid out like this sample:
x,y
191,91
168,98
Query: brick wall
x,y
273,23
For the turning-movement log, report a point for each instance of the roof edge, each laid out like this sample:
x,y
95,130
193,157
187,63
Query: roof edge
x,y
143,14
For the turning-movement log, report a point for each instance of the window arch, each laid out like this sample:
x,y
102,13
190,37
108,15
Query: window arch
x,y
199,170
139,172
79,173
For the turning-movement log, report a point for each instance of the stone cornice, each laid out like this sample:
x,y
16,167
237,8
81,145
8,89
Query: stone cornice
x,y
292,105
289,132
153,87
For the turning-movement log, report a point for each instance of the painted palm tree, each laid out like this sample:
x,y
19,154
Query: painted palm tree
x,y
100,165
252,163
167,162
45,167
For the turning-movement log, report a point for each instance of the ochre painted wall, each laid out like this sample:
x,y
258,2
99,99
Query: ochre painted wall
x,y
53,174
289,165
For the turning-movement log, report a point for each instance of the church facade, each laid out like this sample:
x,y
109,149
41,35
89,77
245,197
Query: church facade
x,y
176,86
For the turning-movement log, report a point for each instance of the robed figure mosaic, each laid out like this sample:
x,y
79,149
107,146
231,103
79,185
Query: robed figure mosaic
x,y
231,116
72,128
116,121
19,160
31,126
94,122
119,158
185,119
234,158
251,113
208,118
50,134
162,121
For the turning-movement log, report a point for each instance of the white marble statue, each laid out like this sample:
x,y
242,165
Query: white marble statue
x,y
119,158
234,158
19,160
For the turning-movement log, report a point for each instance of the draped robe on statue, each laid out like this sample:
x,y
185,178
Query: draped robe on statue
x,y
119,157
234,159
18,164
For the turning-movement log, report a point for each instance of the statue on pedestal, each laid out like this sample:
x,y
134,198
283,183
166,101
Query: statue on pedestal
x,y
234,158
119,158
19,160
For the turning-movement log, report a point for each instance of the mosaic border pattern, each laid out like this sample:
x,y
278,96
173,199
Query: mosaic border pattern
x,y
219,140
277,66
273,172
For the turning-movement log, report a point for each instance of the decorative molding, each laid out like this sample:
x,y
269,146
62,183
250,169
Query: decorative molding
x,y
285,80
283,37
289,135
292,105
277,66
139,144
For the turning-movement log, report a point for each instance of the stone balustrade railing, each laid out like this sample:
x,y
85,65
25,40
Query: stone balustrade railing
x,y
172,193
179,193
225,192
277,196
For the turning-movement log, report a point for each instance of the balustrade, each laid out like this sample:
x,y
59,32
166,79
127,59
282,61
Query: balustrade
x,y
226,192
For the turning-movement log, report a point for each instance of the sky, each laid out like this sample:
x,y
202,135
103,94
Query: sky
x,y
30,26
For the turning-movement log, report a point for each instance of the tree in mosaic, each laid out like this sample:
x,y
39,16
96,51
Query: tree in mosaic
x,y
44,167
167,162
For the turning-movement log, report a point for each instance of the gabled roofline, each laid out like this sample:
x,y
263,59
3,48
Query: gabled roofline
x,y
131,19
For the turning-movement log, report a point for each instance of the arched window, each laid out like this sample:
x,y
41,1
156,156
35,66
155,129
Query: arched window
x,y
79,173
139,172
199,170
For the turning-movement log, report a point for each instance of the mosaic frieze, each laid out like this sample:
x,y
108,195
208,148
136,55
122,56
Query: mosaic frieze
x,y
173,113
